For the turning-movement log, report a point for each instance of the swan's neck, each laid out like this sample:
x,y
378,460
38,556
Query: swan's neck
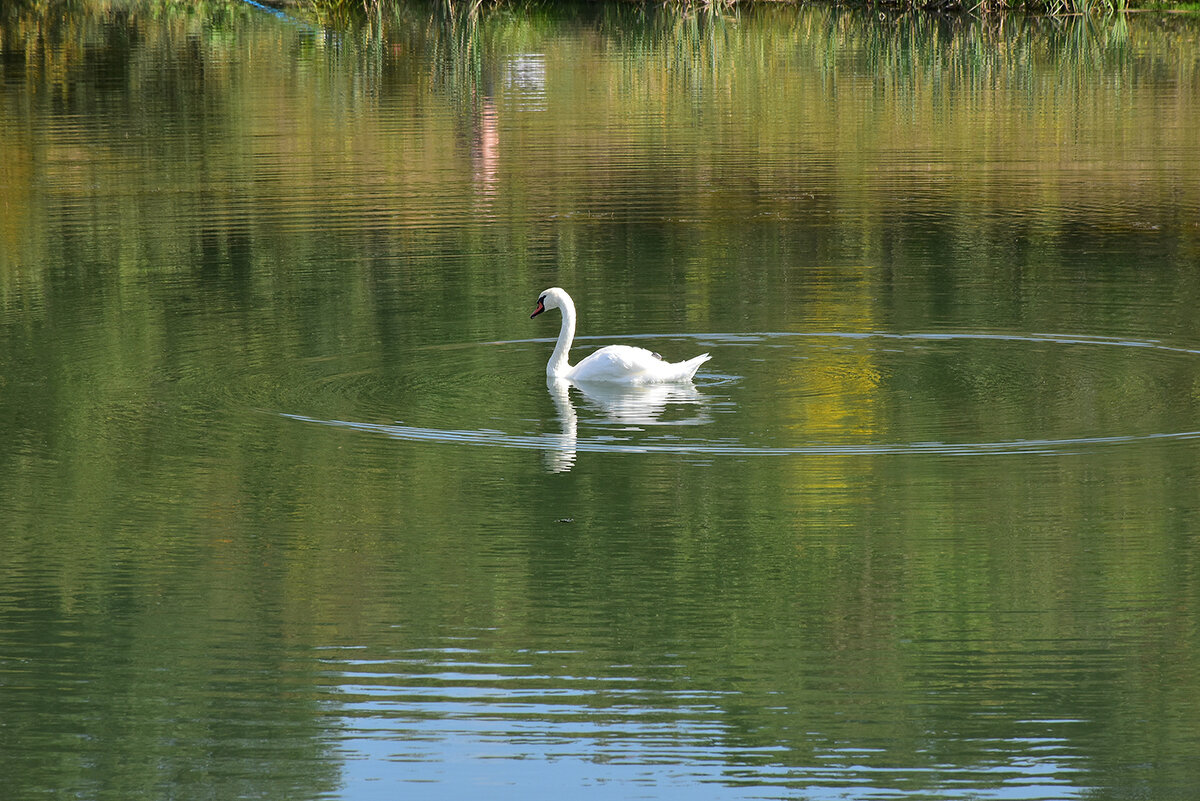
x,y
558,365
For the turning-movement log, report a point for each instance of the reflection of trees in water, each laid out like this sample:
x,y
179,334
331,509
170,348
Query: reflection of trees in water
x,y
832,117
163,696
928,84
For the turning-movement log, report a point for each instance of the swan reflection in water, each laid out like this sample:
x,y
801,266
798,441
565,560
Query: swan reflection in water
x,y
622,407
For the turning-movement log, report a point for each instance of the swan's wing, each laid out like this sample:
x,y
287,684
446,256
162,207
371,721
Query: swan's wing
x,y
615,363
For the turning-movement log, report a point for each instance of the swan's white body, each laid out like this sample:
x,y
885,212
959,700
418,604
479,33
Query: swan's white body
x,y
615,363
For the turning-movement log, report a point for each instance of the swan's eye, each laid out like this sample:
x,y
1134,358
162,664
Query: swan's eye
x,y
542,300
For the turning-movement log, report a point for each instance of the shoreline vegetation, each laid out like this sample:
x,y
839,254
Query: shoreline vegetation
x,y
1047,7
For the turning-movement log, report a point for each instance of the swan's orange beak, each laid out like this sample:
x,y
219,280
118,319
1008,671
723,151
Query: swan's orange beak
x,y
541,307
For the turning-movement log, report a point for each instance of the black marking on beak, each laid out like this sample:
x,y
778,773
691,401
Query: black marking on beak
x,y
541,307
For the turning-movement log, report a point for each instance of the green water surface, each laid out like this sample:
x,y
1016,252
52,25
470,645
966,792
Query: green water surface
x,y
289,511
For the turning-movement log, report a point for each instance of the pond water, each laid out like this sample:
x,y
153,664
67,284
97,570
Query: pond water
x,y
289,509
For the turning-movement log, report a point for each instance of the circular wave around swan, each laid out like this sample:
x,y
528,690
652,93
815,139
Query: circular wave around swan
x,y
816,394
554,442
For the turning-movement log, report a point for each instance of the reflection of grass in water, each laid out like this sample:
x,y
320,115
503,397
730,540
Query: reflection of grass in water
x,y
340,11
344,10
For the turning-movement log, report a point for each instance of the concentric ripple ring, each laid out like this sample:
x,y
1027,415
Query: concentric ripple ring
x,y
557,441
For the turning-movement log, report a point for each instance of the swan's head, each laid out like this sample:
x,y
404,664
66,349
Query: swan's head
x,y
552,298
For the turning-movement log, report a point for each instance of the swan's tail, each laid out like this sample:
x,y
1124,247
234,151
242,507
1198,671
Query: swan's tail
x,y
688,369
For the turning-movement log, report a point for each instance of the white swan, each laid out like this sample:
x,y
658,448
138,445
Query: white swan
x,y
620,363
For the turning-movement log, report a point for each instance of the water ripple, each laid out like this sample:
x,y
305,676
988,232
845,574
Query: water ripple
x,y
552,442
999,385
